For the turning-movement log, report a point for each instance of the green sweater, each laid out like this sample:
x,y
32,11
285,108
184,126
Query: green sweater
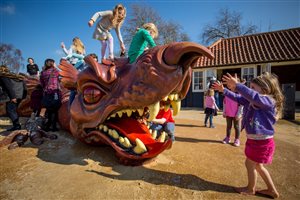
x,y
138,44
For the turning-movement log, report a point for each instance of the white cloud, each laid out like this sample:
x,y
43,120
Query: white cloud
x,y
7,9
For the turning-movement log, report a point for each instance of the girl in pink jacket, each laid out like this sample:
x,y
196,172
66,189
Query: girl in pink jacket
x,y
232,111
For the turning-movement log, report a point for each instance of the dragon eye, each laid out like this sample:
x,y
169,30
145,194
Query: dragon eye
x,y
92,95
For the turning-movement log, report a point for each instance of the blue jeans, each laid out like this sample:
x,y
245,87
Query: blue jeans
x,y
168,127
210,116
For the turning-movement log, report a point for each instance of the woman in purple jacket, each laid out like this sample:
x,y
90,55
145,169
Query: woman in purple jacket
x,y
263,103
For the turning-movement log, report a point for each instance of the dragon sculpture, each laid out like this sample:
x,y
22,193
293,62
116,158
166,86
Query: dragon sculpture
x,y
112,100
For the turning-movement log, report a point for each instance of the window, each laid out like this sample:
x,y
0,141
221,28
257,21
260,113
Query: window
x,y
210,73
198,81
248,73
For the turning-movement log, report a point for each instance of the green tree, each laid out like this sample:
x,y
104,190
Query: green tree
x,y
10,57
228,24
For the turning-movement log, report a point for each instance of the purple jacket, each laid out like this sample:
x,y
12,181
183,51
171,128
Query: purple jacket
x,y
259,110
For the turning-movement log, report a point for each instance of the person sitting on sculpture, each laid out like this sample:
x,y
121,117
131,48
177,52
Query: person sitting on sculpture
x,y
143,38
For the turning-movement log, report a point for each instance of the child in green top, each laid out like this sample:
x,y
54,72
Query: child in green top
x,y
141,39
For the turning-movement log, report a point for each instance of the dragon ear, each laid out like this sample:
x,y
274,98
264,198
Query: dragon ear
x,y
68,74
106,74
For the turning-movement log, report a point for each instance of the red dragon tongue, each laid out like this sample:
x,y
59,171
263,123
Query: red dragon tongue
x,y
132,129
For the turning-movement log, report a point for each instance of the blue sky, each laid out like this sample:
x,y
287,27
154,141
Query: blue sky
x,y
37,27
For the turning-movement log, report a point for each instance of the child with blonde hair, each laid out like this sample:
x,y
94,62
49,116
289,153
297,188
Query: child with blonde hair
x,y
143,37
263,103
210,108
109,19
76,52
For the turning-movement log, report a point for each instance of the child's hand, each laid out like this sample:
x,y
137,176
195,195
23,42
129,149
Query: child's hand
x,y
122,47
91,23
62,44
230,81
218,86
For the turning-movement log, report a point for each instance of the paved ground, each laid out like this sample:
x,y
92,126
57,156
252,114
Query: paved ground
x,y
198,166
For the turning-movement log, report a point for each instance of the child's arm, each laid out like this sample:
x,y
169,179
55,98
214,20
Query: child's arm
x,y
219,86
254,97
217,108
148,38
119,35
64,49
99,14
159,121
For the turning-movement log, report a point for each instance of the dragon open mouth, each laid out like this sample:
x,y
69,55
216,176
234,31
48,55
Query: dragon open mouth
x,y
130,135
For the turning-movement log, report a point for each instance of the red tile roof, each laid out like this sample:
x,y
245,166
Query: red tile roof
x,y
283,45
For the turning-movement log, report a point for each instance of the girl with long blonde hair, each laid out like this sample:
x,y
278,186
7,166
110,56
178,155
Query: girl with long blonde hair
x,y
109,19
263,103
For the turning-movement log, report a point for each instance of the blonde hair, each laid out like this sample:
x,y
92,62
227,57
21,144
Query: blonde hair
x,y
116,19
78,45
210,92
269,85
151,27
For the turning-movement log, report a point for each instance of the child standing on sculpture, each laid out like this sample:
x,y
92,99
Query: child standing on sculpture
x,y
210,108
140,41
232,111
109,19
263,103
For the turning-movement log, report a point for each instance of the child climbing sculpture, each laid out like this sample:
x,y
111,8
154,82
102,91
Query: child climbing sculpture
x,y
109,19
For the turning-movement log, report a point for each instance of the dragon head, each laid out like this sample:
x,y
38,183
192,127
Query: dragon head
x,y
111,100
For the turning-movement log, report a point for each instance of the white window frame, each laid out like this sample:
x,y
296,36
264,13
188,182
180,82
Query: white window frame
x,y
193,81
254,72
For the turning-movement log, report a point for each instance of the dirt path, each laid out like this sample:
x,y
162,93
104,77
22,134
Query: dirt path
x,y
197,167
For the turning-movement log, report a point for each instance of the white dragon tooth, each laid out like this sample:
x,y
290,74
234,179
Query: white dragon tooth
x,y
140,147
121,140
129,112
120,113
165,98
171,97
105,128
154,134
162,137
115,134
176,97
153,111
176,105
110,132
167,107
150,131
100,126
113,115
127,142
140,111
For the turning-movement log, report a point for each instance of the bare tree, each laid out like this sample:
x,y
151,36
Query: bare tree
x,y
10,57
228,24
141,14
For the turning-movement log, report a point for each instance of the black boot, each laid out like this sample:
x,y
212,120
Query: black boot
x,y
16,126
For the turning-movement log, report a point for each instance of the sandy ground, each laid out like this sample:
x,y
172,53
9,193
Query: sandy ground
x,y
198,166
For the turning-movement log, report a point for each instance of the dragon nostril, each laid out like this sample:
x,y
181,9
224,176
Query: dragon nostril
x,y
92,95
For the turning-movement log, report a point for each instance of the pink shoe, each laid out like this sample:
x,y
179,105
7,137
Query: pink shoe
x,y
226,140
236,143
